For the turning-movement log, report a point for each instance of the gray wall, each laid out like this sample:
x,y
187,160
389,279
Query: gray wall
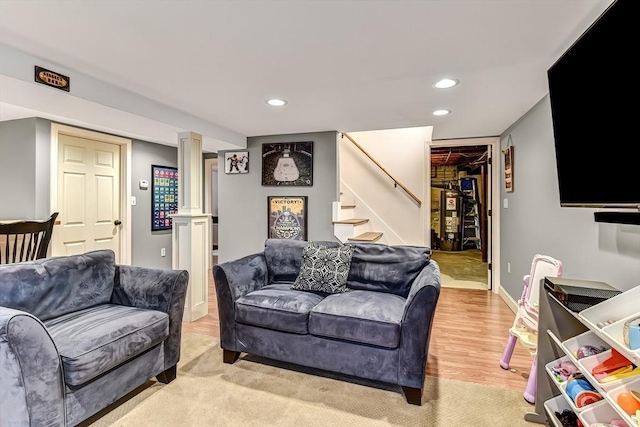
x,y
24,169
243,200
146,244
43,168
534,222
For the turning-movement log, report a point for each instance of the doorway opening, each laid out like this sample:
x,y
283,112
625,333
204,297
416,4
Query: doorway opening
x,y
462,183
211,199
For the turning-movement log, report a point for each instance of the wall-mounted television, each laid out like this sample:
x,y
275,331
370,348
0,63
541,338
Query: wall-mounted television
x,y
596,117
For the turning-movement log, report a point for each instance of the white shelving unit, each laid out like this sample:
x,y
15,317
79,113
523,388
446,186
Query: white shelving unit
x,y
566,331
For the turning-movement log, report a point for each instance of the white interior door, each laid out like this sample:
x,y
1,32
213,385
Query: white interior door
x,y
88,196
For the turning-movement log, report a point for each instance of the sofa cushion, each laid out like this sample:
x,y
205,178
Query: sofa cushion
x,y
96,339
384,268
51,287
284,258
324,269
361,316
277,307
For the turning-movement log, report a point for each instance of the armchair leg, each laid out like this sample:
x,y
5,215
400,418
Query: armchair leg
x,y
413,395
229,356
169,375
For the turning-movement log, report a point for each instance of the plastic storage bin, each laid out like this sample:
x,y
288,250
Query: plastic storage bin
x,y
590,338
553,405
613,399
588,363
600,412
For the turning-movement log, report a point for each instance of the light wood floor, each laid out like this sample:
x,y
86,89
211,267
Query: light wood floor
x,y
469,334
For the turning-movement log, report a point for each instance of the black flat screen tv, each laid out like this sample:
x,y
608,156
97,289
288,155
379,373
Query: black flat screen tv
x,y
596,117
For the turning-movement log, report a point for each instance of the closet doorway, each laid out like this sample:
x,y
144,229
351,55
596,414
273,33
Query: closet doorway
x,y
462,182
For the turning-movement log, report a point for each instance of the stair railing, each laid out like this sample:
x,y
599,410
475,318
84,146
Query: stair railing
x,y
396,183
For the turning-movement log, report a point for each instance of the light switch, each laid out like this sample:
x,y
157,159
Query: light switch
x,y
133,200
505,203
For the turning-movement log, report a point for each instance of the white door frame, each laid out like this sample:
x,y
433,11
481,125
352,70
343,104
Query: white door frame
x,y
125,178
493,222
208,164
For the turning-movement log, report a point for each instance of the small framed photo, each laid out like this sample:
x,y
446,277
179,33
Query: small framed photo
x,y
236,162
287,164
287,217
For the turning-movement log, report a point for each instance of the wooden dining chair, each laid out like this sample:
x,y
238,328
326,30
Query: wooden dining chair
x,y
25,240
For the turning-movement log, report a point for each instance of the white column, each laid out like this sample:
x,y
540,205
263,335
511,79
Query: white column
x,y
191,232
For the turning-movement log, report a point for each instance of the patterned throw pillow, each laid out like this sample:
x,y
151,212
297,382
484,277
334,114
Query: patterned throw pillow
x,y
324,269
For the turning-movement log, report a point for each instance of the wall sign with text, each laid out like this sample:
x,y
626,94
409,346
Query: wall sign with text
x,y
164,193
287,217
51,78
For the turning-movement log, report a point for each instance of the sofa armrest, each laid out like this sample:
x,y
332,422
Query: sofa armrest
x,y
155,289
417,320
233,280
31,380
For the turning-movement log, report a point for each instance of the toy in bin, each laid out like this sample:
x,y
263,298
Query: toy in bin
x,y
628,402
631,333
616,367
581,392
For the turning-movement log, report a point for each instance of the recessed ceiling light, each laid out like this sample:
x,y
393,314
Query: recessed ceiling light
x,y
446,83
276,102
441,112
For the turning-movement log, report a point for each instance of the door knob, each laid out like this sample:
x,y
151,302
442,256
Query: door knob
x,y
117,222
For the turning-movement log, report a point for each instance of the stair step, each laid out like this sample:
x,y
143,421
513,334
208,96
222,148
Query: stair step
x,y
369,236
347,206
352,221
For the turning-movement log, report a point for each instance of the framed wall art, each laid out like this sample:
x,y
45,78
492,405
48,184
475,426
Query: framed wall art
x,y
164,193
287,217
508,168
236,162
287,164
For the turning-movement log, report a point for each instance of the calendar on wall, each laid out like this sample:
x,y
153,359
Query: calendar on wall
x,y
164,190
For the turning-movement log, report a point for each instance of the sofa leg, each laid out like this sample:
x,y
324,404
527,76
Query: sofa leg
x,y
413,395
169,375
229,356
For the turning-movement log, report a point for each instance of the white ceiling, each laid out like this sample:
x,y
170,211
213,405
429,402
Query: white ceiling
x,y
342,65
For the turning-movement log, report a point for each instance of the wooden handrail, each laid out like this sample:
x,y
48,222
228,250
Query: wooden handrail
x,y
395,181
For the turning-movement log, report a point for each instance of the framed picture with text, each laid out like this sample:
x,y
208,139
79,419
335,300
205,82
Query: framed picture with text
x,y
287,217
164,196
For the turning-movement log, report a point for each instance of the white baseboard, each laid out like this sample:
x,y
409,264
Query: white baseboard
x,y
513,304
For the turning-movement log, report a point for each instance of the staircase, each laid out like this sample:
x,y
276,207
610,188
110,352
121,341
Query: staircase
x,y
347,228
374,206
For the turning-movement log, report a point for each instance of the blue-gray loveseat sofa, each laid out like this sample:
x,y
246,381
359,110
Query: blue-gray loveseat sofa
x,y
379,329
79,332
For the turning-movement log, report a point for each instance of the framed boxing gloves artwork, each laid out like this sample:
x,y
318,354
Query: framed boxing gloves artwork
x,y
236,162
287,164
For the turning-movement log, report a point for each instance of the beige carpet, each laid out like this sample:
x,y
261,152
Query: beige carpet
x,y
462,269
256,392
447,281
